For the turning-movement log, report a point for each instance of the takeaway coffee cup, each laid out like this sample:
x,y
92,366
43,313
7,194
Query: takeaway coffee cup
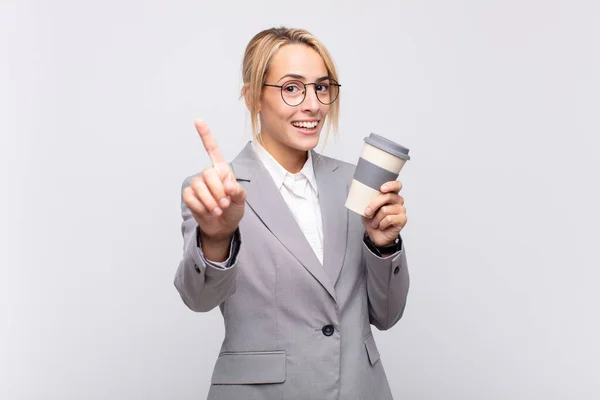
x,y
381,161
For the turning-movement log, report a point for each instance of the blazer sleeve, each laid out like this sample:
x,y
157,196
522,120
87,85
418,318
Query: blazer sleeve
x,y
387,286
203,284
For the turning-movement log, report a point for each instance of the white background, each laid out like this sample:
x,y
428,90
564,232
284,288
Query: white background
x,y
497,100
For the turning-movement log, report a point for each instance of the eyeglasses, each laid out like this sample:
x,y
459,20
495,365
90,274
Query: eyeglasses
x,y
293,93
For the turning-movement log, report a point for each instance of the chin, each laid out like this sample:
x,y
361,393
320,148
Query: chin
x,y
306,143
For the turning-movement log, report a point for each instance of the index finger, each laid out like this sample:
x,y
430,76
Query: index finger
x,y
209,142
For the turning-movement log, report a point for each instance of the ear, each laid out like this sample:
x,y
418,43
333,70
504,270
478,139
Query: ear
x,y
246,94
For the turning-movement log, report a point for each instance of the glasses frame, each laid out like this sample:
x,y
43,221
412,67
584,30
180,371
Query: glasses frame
x,y
331,83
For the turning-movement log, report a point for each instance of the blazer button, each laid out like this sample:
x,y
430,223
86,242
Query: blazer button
x,y
396,270
327,330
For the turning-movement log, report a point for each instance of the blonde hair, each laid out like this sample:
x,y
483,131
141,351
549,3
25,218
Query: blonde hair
x,y
257,59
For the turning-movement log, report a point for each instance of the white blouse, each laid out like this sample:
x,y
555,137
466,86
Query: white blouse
x,y
300,194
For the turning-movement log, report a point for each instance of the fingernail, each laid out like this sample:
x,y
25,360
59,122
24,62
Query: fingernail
x,y
217,211
224,202
368,211
384,188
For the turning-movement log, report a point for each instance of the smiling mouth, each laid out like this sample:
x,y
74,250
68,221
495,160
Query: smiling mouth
x,y
306,124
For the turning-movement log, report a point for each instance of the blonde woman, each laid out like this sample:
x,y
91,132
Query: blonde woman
x,y
298,278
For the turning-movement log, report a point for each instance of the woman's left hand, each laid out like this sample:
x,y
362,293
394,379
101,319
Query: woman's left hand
x,y
386,215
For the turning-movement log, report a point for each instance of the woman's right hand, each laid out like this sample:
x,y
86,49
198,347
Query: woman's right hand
x,y
215,198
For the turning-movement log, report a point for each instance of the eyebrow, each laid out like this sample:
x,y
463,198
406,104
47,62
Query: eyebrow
x,y
302,78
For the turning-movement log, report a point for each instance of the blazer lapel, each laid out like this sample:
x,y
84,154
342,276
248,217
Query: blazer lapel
x,y
332,195
265,200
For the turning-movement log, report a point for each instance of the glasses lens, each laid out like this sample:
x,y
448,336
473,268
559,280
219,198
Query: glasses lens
x,y
327,91
293,92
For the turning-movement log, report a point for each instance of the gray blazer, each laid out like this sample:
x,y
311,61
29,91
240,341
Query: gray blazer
x,y
295,329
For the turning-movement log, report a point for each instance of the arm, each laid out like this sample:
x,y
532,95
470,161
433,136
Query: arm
x,y
214,202
387,284
204,284
385,256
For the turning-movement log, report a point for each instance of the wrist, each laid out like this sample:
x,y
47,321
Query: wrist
x,y
384,249
215,249
214,240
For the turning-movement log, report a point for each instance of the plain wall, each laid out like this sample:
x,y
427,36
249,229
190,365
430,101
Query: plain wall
x,y
497,100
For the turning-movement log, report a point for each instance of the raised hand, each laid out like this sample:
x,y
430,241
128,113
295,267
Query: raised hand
x,y
215,198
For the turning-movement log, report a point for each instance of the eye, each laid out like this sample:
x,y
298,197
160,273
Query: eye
x,y
322,87
292,88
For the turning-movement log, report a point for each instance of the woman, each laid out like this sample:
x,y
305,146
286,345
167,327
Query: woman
x,y
298,278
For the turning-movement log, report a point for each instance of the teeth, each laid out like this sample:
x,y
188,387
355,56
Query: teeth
x,y
308,125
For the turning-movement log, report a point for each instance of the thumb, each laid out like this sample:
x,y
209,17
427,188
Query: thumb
x,y
229,182
231,178
238,195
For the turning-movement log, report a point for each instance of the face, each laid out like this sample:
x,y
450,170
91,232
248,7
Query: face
x,y
288,130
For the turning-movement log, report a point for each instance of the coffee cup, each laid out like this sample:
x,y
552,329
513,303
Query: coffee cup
x,y
380,162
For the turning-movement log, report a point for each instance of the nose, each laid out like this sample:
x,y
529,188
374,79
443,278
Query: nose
x,y
310,103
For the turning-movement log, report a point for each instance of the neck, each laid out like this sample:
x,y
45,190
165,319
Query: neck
x,y
291,159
